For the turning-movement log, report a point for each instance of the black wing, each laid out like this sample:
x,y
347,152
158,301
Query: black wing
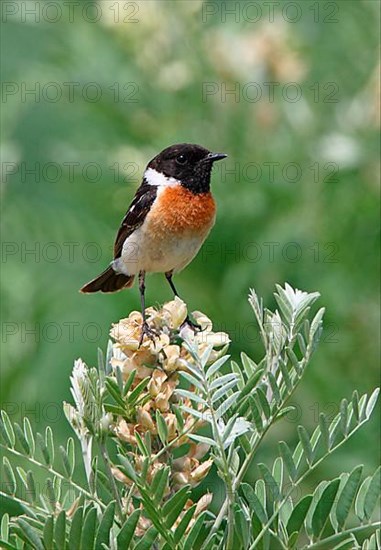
x,y
135,216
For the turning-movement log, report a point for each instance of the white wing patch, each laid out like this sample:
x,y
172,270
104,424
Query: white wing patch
x,y
153,177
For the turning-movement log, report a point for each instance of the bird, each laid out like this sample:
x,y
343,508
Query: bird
x,y
167,222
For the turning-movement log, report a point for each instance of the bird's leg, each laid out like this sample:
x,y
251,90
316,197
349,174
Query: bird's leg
x,y
168,276
145,328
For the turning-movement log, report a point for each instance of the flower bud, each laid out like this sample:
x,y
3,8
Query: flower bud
x,y
201,471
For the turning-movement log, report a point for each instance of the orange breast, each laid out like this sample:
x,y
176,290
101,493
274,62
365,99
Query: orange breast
x,y
177,211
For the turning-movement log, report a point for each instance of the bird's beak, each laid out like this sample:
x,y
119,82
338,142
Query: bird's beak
x,y
212,157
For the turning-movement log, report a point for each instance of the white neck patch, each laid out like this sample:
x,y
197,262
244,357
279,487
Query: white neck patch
x,y
153,177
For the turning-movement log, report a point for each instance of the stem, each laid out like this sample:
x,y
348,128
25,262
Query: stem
x,y
23,502
54,473
172,442
300,480
228,481
114,488
254,443
86,446
349,531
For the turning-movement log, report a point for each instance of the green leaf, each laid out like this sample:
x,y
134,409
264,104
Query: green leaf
x,y
248,364
127,467
65,461
249,386
264,403
323,507
196,413
7,430
216,366
185,520
154,514
278,472
32,493
347,495
57,486
179,417
203,439
30,534
274,387
129,382
103,533
146,542
355,405
324,430
4,530
134,395
371,403
49,443
298,514
22,474
237,370
285,513
44,449
288,460
119,378
372,494
174,506
271,484
222,381
142,446
223,391
60,531
162,428
10,485
204,358
88,531
241,526
160,483
256,414
28,433
254,502
193,533
7,545
21,438
192,396
306,444
225,405
286,376
127,531
76,528
48,533
344,416
196,382
260,491
70,451
316,323
360,498
114,391
194,369
50,492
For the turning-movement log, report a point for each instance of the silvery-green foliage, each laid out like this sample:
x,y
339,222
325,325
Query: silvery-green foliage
x,y
235,404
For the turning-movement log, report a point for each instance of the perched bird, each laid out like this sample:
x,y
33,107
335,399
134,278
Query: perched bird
x,y
167,222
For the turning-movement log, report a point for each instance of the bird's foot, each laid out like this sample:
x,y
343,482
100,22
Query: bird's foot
x,y
147,331
191,324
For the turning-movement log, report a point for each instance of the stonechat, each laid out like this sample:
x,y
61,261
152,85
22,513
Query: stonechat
x,y
168,220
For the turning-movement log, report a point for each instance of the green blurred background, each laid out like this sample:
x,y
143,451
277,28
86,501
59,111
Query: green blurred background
x,y
297,197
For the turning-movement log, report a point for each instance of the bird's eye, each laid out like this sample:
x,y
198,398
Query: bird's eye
x,y
181,159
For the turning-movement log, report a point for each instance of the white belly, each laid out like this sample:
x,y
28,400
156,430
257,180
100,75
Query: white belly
x,y
142,253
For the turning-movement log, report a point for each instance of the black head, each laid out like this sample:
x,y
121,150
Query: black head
x,y
188,164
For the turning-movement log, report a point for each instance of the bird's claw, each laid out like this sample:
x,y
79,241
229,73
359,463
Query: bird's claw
x,y
147,331
194,326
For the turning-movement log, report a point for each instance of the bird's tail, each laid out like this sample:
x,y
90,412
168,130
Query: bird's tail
x,y
108,281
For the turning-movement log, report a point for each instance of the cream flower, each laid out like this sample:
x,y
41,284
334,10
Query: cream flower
x,y
177,312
